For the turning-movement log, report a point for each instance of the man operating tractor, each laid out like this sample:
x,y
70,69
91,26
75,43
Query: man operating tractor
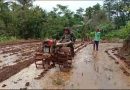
x,y
68,37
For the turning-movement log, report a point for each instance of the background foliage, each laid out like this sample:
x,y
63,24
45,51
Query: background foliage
x,y
22,20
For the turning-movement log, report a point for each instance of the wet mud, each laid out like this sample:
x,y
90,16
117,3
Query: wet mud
x,y
14,58
90,70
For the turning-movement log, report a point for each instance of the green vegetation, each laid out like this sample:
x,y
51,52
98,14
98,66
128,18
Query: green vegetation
x,y
7,39
22,20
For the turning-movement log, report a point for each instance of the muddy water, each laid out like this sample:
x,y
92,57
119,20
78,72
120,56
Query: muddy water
x,y
91,70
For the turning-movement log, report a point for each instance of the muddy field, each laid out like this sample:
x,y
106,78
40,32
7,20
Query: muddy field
x,y
91,70
14,58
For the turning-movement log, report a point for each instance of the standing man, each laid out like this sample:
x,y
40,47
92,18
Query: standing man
x,y
96,39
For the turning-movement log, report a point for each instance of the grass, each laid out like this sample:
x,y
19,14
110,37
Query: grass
x,y
13,40
7,39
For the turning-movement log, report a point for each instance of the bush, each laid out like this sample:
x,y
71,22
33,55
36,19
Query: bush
x,y
125,31
106,28
7,38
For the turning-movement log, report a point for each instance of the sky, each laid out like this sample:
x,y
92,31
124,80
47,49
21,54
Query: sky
x,y
72,5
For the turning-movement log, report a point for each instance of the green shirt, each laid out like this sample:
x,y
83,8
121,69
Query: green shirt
x,y
97,36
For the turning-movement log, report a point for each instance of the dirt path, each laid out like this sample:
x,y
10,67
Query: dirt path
x,y
90,70
99,71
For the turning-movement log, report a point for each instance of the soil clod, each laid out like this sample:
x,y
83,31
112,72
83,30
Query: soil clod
x,y
4,85
27,84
